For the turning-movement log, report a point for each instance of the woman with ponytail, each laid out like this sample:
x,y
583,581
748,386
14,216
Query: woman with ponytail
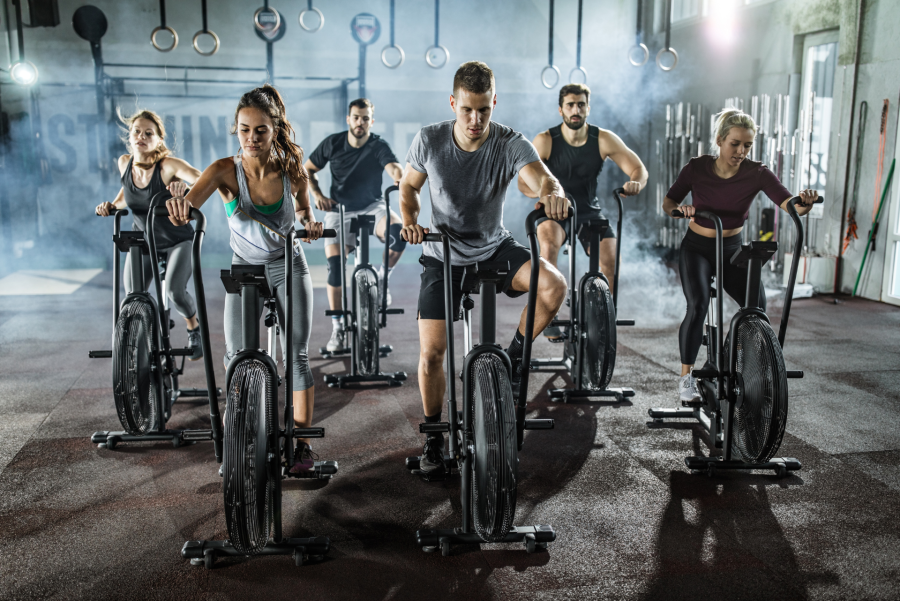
x,y
264,189
147,171
725,184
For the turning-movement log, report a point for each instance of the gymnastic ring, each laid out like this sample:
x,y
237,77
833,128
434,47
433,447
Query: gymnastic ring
x,y
433,64
643,50
215,39
582,71
660,54
262,27
313,10
157,46
384,60
553,69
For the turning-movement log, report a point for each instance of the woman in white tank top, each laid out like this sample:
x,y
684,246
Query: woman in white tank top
x,y
264,189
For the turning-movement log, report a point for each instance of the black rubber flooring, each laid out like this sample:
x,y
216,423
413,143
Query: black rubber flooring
x,y
78,522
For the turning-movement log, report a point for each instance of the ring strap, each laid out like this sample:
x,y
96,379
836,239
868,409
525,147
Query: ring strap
x,y
203,11
550,43
162,13
578,46
392,21
437,23
638,34
668,24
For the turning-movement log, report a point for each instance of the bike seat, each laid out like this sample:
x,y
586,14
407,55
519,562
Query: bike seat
x,y
595,226
483,271
243,275
365,221
755,250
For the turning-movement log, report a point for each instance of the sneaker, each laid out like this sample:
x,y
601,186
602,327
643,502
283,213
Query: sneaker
x,y
431,464
336,342
687,389
304,460
195,344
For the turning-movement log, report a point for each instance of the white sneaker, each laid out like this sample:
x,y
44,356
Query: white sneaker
x,y
336,342
687,388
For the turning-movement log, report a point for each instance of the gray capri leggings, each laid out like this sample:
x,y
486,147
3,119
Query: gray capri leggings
x,y
178,272
303,314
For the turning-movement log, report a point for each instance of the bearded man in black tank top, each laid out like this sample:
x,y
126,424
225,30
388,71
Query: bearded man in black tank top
x,y
574,152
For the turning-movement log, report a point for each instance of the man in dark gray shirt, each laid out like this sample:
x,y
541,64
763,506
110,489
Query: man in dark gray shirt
x,y
469,163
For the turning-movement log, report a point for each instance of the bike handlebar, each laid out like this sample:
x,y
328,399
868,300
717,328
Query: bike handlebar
x,y
195,215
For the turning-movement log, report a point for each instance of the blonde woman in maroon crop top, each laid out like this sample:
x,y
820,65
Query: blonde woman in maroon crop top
x,y
724,184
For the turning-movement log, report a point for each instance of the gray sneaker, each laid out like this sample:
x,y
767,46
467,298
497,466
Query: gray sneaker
x,y
336,342
195,345
687,389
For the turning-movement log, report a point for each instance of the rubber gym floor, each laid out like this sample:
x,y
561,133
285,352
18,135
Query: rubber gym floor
x,y
78,522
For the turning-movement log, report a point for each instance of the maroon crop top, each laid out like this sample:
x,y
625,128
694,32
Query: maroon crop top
x,y
730,198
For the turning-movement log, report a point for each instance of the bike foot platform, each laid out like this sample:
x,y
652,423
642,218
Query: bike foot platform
x,y
338,353
392,379
412,464
204,552
535,538
780,465
565,395
661,413
322,470
110,440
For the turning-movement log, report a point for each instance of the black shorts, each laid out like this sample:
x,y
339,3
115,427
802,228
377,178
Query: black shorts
x,y
584,235
431,293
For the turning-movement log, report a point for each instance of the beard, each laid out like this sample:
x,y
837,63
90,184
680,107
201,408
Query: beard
x,y
358,136
576,125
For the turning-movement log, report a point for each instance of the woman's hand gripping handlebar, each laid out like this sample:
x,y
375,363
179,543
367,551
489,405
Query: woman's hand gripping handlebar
x,y
806,198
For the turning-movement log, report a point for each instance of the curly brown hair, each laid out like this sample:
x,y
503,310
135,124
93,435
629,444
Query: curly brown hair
x,y
286,153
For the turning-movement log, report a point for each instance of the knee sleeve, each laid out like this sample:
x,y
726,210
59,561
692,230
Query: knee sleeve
x,y
397,243
334,271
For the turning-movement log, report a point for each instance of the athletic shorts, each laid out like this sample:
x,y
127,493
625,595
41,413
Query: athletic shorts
x,y
333,222
584,235
431,293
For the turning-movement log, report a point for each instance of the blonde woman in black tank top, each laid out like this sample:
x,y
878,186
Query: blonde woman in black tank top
x,y
148,170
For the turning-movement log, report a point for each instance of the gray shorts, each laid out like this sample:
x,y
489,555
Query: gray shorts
x,y
333,222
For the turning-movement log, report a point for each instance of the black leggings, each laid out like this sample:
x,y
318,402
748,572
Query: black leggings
x,y
697,265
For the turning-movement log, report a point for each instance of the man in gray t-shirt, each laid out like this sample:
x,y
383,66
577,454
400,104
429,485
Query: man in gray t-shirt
x,y
469,163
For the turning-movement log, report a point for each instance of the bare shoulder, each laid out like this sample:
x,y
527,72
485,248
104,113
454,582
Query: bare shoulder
x,y
543,143
123,162
610,143
301,183
173,164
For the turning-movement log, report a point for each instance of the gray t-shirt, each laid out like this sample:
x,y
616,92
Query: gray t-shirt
x,y
468,188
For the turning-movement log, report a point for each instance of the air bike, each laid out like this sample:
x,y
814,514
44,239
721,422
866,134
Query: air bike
x,y
258,451
487,435
589,352
368,314
145,369
743,384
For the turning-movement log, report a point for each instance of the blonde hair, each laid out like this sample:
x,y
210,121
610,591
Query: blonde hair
x,y
161,151
725,121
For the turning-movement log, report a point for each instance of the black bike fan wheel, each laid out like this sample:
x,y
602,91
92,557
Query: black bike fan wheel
x,y
600,331
135,387
495,464
761,407
248,483
367,322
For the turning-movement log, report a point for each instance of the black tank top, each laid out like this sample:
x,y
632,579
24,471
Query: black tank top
x,y
138,201
577,167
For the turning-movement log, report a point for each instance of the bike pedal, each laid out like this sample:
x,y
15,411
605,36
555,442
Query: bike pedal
x,y
693,404
560,340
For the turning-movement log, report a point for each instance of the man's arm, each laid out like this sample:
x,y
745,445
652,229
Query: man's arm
x,y
395,171
613,147
323,203
546,188
410,205
543,144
